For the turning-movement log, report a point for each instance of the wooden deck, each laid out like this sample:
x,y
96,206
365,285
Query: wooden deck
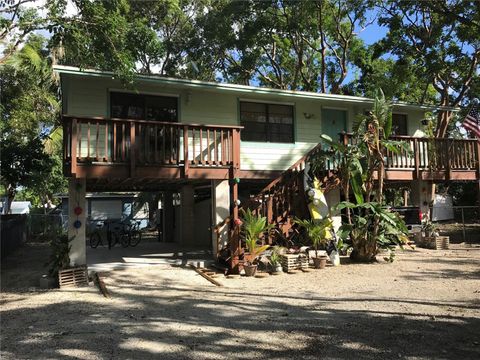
x,y
103,148
123,153
432,159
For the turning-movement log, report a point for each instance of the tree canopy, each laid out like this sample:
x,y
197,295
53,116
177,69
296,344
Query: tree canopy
x,y
29,108
430,53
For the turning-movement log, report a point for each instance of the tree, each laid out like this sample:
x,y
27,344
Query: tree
x,y
285,44
440,38
17,22
29,107
360,164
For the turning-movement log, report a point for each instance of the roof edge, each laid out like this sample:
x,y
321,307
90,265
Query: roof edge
x,y
72,70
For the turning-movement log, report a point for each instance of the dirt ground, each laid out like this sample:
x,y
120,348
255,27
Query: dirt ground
x,y
425,305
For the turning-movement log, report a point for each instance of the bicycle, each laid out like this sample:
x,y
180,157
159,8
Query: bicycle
x,y
95,237
130,234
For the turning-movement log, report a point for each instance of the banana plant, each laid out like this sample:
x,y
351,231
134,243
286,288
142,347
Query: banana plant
x,y
391,231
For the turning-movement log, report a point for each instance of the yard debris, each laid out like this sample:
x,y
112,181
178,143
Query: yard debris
x,y
101,285
205,273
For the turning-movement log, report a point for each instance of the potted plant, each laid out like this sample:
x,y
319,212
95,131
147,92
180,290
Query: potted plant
x,y
275,262
253,229
318,231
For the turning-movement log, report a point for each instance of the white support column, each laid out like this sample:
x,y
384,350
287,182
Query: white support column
x,y
220,211
76,198
422,195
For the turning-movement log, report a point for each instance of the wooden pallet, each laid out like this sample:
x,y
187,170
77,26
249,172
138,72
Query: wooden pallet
x,y
73,277
293,262
436,242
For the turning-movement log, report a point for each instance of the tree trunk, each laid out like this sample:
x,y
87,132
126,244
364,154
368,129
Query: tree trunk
x,y
11,192
443,119
364,251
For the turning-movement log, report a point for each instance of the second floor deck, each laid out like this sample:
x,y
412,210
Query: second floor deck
x,y
107,148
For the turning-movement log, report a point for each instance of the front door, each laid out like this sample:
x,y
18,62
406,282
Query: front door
x,y
334,122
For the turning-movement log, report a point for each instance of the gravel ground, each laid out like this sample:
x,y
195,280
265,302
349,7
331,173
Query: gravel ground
x,y
425,305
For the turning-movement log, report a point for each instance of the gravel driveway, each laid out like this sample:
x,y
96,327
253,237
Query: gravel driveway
x,y
425,305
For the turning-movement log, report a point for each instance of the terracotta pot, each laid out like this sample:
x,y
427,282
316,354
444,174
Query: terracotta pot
x,y
250,270
319,262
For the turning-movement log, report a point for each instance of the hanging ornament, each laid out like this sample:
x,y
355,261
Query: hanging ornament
x,y
238,222
77,224
78,210
237,202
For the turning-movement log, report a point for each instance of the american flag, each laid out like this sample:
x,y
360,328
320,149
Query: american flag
x,y
472,121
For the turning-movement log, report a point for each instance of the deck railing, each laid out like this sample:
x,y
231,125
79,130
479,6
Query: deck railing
x,y
436,154
149,143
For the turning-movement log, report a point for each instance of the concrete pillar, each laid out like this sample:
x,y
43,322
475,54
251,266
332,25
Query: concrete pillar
x,y
187,215
76,198
422,195
220,211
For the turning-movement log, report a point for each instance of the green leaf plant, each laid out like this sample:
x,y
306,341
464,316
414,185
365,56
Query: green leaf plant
x,y
253,229
317,231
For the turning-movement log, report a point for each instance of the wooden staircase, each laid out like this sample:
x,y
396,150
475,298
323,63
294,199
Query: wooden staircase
x,y
283,199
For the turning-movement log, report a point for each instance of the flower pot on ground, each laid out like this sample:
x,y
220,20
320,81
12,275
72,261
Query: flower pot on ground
x,y
250,269
253,229
274,259
320,262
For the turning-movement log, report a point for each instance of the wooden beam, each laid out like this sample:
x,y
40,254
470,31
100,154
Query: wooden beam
x,y
73,150
212,280
133,147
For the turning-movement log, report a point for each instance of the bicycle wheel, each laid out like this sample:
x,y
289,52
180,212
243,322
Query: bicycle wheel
x,y
95,239
135,238
124,240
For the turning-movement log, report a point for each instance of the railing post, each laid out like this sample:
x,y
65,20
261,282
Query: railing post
x,y
73,148
448,156
478,159
132,149
417,158
186,162
235,169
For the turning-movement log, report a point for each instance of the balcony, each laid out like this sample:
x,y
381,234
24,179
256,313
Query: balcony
x,y
432,159
105,148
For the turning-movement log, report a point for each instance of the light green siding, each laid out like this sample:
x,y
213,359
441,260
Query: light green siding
x,y
88,96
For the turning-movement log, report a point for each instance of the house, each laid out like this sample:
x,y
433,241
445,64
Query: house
x,y
111,206
221,143
18,207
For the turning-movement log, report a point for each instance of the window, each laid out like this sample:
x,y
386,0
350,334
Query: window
x,y
144,107
399,124
266,122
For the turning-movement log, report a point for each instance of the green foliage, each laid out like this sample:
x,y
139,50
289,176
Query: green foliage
x,y
60,250
29,108
360,167
275,256
317,230
373,226
253,228
439,39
